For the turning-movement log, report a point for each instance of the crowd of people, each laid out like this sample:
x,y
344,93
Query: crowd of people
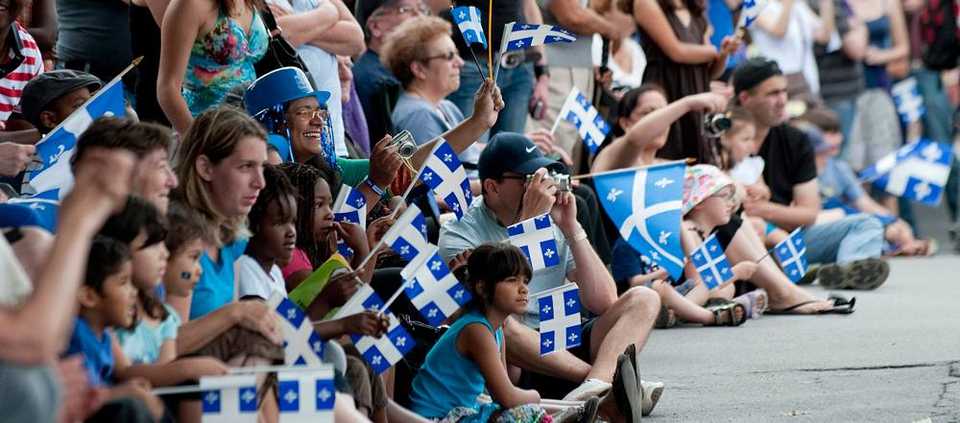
x,y
216,190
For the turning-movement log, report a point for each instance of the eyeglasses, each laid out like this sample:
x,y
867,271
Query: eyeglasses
x,y
448,56
309,113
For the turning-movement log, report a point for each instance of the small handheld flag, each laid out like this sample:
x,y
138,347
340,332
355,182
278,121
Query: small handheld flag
x,y
917,171
306,395
351,207
229,398
581,113
751,11
468,21
559,310
382,353
301,344
535,237
444,174
907,98
432,288
408,235
517,36
645,204
791,253
711,263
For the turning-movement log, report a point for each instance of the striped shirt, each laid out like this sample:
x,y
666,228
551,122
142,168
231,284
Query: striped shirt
x,y
26,55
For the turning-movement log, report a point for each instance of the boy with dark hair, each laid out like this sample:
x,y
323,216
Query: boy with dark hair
x,y
51,97
151,143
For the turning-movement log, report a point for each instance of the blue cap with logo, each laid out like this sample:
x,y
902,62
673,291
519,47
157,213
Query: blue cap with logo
x,y
513,152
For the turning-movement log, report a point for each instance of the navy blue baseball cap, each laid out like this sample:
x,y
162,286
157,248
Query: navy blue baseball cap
x,y
513,152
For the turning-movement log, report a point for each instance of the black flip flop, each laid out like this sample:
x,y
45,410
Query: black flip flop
x,y
840,306
626,390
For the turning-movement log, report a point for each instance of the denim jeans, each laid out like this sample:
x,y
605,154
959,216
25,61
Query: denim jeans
x,y
516,86
852,238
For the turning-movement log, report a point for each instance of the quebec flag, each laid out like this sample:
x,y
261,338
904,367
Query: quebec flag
x,y
43,210
535,237
444,174
751,11
917,171
559,318
792,255
517,36
386,351
56,149
712,263
306,395
301,344
907,98
229,398
432,288
645,204
590,125
350,206
408,235
468,20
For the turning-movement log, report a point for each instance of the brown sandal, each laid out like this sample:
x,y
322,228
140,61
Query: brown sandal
x,y
725,314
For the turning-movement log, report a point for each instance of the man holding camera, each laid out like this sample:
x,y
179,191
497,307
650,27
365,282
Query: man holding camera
x,y
508,198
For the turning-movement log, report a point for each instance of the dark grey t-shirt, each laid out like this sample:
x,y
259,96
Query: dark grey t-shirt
x,y
96,31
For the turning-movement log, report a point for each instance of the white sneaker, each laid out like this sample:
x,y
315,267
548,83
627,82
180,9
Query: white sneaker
x,y
589,388
651,394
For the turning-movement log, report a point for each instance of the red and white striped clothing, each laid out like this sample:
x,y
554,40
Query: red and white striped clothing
x,y
11,84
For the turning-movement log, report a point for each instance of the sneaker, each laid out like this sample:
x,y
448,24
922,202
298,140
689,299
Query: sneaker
x,y
586,413
863,274
589,388
651,394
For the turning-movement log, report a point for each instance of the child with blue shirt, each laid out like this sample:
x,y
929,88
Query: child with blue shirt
x,y
469,358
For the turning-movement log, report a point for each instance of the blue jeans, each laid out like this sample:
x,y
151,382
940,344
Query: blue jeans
x,y
852,238
516,86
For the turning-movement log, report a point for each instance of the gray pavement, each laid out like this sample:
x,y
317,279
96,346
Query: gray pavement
x,y
896,359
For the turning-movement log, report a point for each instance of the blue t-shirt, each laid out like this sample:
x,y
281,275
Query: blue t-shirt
x,y
141,345
837,182
96,351
215,287
447,379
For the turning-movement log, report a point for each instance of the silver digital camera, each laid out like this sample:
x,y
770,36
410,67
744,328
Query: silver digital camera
x,y
407,146
561,179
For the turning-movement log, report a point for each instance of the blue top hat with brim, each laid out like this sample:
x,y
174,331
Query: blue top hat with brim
x,y
280,86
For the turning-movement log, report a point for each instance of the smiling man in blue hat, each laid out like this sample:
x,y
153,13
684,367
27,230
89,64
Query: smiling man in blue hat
x,y
508,198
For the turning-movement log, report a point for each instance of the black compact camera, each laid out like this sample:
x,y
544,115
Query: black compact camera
x,y
715,124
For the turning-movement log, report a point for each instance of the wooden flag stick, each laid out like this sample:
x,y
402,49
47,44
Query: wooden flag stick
x,y
490,35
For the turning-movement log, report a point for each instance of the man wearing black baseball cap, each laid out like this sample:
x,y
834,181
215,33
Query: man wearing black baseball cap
x,y
52,96
508,198
849,249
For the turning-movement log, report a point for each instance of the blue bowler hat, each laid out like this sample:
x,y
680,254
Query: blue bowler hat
x,y
280,86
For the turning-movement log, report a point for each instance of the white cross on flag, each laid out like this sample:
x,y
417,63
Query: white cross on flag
x,y
444,174
917,171
408,235
301,344
386,351
711,263
791,253
432,288
590,124
350,206
909,103
229,398
517,36
468,20
535,237
751,11
306,395
559,318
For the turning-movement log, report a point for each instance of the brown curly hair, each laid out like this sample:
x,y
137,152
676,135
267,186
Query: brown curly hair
x,y
405,44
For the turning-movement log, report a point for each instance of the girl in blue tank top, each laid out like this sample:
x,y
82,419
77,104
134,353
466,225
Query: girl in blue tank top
x,y
470,356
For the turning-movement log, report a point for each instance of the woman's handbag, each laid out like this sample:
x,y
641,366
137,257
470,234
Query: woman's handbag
x,y
279,52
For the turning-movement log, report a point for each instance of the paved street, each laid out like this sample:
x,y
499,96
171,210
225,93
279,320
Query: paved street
x,y
897,359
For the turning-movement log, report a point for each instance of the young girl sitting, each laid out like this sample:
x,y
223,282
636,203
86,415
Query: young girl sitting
x,y
470,356
273,223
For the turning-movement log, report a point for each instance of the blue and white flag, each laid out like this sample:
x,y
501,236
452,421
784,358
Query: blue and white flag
x,y
301,344
444,174
751,11
917,171
408,235
468,20
559,318
535,237
518,36
229,398
350,206
581,113
432,288
711,263
306,395
386,351
907,98
44,210
792,255
56,148
645,204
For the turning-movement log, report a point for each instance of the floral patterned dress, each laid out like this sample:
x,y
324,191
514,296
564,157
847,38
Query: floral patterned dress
x,y
221,60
